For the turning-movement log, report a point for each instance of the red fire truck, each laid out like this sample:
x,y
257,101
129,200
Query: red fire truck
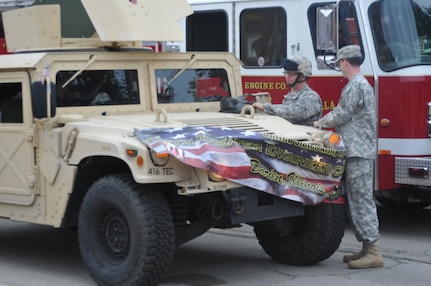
x,y
395,37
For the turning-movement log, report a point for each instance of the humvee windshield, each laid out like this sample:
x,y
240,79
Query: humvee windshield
x,y
191,85
97,87
119,87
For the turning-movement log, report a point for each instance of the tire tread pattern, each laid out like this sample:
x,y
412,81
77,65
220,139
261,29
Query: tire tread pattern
x,y
152,242
318,238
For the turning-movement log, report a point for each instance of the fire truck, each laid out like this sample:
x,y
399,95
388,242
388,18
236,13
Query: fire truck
x,y
395,38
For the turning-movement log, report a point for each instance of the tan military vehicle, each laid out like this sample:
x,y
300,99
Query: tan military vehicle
x,y
83,125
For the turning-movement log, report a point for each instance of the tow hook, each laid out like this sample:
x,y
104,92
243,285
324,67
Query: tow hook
x,y
238,203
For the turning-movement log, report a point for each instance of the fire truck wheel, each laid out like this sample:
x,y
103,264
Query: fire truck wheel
x,y
306,240
126,232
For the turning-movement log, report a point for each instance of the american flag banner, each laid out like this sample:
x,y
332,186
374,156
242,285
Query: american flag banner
x,y
284,167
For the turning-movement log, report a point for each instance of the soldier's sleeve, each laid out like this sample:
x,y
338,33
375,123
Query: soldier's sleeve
x,y
343,112
307,105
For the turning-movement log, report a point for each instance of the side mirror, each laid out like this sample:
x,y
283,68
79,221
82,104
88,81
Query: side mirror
x,y
44,99
326,28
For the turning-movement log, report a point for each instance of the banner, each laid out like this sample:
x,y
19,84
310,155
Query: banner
x,y
284,167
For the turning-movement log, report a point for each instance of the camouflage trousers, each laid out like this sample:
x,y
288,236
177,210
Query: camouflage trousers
x,y
362,207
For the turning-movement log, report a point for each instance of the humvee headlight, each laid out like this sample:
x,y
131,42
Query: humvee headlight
x,y
159,159
215,177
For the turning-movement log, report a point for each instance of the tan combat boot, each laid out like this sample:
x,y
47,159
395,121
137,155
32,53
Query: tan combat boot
x,y
349,257
372,258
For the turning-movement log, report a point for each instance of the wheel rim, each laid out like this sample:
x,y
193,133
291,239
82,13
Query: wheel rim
x,y
114,233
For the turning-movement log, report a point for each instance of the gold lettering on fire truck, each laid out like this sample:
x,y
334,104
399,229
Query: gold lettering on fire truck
x,y
264,85
328,105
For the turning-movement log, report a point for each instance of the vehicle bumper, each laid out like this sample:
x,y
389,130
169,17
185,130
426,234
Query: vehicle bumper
x,y
413,171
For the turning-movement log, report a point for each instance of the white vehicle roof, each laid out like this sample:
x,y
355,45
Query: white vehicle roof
x,y
21,61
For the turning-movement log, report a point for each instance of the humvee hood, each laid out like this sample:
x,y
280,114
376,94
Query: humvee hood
x,y
259,123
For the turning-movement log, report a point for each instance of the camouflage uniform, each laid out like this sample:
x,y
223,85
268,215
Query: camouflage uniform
x,y
355,119
302,107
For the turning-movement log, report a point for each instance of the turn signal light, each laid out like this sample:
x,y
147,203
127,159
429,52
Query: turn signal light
x,y
132,152
332,139
140,161
384,122
384,152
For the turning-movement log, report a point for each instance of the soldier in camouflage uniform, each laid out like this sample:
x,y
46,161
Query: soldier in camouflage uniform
x,y
301,105
355,119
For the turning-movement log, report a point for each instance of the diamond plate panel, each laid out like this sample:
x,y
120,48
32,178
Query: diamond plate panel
x,y
402,166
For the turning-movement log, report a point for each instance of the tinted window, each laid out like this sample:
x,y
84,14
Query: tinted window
x,y
207,31
11,103
191,85
102,87
263,36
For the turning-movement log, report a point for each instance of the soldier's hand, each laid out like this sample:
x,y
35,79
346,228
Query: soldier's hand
x,y
258,106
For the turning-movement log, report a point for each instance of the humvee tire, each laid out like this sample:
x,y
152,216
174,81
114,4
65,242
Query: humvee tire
x,y
304,240
126,232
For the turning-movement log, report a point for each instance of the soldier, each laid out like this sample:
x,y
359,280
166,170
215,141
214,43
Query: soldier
x,y
301,105
355,119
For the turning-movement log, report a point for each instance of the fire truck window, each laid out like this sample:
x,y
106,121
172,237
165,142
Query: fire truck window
x,y
402,33
11,103
207,31
348,32
97,87
191,85
263,36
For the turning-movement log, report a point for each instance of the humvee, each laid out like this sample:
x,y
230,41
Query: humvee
x,y
84,128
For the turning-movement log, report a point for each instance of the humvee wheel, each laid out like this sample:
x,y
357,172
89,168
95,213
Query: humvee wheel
x,y
304,240
126,233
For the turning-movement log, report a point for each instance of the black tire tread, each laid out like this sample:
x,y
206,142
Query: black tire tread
x,y
319,237
151,225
